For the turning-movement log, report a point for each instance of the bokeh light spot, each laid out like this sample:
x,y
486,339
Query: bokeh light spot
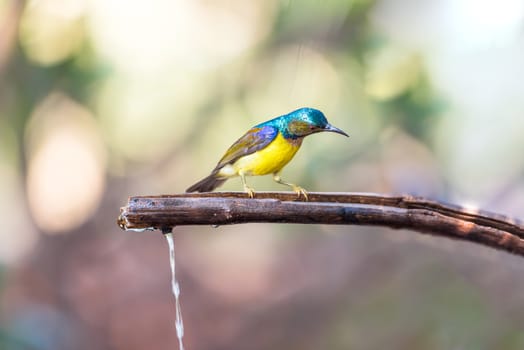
x,y
52,30
66,164
195,34
391,71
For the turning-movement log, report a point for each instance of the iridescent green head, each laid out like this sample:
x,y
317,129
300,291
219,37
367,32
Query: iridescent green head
x,y
307,121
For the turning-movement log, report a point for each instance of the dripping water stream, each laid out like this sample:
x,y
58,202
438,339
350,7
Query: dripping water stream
x,y
175,288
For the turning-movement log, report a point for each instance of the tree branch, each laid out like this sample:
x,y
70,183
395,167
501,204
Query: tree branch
x,y
417,214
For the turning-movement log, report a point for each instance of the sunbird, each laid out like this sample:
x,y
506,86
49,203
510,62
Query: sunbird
x,y
265,149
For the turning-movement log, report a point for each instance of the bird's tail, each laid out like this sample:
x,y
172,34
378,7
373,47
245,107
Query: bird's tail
x,y
207,184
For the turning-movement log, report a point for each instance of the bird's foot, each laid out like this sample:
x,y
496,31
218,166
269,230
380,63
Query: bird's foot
x,y
250,192
300,191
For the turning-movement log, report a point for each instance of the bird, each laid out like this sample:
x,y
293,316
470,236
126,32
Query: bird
x,y
265,149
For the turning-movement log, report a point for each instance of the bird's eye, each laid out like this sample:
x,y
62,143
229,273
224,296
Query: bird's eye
x,y
311,127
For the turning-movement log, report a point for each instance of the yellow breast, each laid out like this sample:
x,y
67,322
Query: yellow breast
x,y
269,160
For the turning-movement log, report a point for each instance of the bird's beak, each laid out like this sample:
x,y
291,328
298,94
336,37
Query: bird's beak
x,y
332,128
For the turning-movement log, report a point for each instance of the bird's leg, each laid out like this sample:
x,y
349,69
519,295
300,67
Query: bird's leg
x,y
299,190
249,190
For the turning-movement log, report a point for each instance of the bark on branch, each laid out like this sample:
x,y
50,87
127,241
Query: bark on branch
x,y
417,214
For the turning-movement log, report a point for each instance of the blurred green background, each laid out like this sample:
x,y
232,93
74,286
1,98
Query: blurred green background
x,y
104,99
